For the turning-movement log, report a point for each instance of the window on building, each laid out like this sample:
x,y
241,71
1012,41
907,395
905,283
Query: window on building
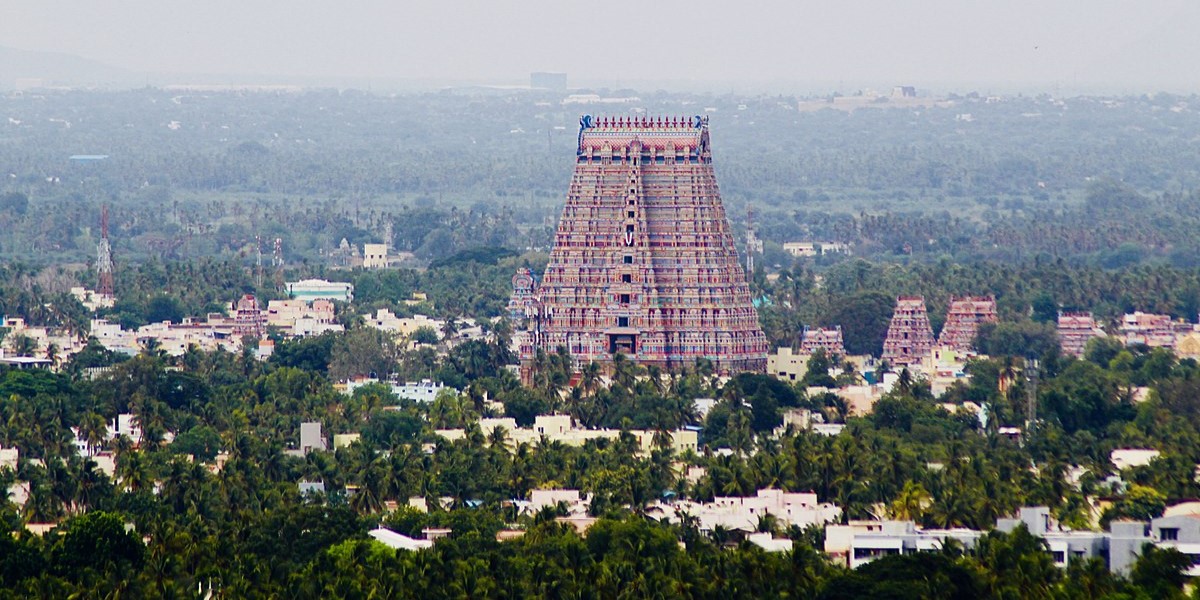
x,y
624,298
628,259
622,321
1168,534
626,278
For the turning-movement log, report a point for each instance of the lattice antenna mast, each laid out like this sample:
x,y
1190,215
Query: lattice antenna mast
x,y
258,265
753,244
277,262
104,261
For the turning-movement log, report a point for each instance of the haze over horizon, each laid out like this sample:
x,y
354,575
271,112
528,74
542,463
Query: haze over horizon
x,y
1075,44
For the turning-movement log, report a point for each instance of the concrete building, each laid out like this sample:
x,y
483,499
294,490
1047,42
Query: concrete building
x,y
787,364
860,542
299,318
310,437
559,428
1156,331
375,256
343,440
942,367
425,390
127,425
9,457
64,343
790,365
92,300
539,499
1125,458
745,513
386,320
397,541
799,249
1065,546
1180,532
320,289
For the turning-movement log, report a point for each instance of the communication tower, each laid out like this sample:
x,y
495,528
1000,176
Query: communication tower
x,y
277,262
104,261
753,244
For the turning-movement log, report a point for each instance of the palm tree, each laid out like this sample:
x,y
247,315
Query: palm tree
x,y
93,429
590,378
767,523
912,503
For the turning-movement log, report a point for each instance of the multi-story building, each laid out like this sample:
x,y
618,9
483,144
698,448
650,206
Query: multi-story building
x,y
375,256
744,513
319,289
815,248
644,262
1155,331
909,336
860,542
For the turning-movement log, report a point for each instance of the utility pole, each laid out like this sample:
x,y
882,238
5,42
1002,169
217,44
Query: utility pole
x,y
1031,376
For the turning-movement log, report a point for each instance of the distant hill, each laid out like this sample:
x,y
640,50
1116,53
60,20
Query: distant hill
x,y
27,68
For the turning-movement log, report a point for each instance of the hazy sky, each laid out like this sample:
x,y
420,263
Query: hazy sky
x,y
1149,44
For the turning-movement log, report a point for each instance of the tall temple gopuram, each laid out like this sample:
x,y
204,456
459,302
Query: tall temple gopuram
x,y
644,263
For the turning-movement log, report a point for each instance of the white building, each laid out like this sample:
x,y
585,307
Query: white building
x,y
815,248
559,428
861,542
9,457
539,499
310,437
398,541
744,513
1124,458
375,256
320,289
127,425
425,390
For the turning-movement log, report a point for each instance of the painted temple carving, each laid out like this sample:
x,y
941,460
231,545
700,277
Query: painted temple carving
x,y
644,262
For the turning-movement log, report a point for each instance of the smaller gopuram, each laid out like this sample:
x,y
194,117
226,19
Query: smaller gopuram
x,y
963,319
1074,331
829,340
909,337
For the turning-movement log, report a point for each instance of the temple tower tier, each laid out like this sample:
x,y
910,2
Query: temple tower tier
x,y
644,262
